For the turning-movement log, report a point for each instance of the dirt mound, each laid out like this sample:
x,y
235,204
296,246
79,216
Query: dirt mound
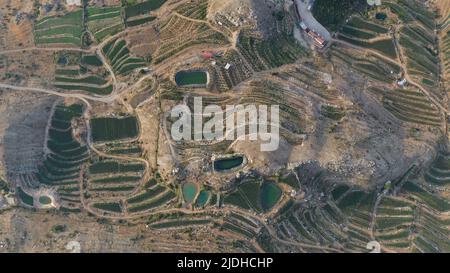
x,y
259,13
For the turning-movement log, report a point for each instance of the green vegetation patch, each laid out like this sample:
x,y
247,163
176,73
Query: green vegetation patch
x,y
26,198
332,14
110,129
115,167
144,7
113,207
65,29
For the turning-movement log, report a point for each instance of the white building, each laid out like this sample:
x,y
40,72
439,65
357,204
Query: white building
x,y
73,3
402,82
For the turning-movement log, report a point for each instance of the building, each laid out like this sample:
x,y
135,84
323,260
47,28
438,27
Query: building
x,y
402,82
73,3
303,26
318,40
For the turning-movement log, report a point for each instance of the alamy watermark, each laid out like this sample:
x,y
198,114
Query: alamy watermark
x,y
229,124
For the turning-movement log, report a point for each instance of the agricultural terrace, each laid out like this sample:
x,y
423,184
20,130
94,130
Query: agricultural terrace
x,y
121,149
414,31
178,33
120,58
344,219
104,22
138,14
65,30
445,41
439,172
154,196
83,73
113,180
196,9
267,54
409,105
332,14
412,221
110,128
370,34
371,66
418,211
65,156
225,79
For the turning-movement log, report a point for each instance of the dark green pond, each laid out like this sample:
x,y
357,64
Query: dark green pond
x,y
228,163
185,78
203,197
270,194
381,16
45,200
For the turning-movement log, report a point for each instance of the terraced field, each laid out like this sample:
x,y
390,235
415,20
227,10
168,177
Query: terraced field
x,y
418,41
153,197
414,220
409,105
196,9
104,22
63,30
141,13
178,34
372,66
445,40
110,129
225,79
120,57
126,148
113,178
263,55
65,156
83,73
422,55
124,179
439,172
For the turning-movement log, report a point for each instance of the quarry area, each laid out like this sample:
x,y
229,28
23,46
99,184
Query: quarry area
x,y
88,158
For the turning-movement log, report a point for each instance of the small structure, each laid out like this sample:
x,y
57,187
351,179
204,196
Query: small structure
x,y
318,40
73,3
227,66
207,55
303,26
402,82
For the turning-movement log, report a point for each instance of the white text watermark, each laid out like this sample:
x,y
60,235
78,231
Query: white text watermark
x,y
229,124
